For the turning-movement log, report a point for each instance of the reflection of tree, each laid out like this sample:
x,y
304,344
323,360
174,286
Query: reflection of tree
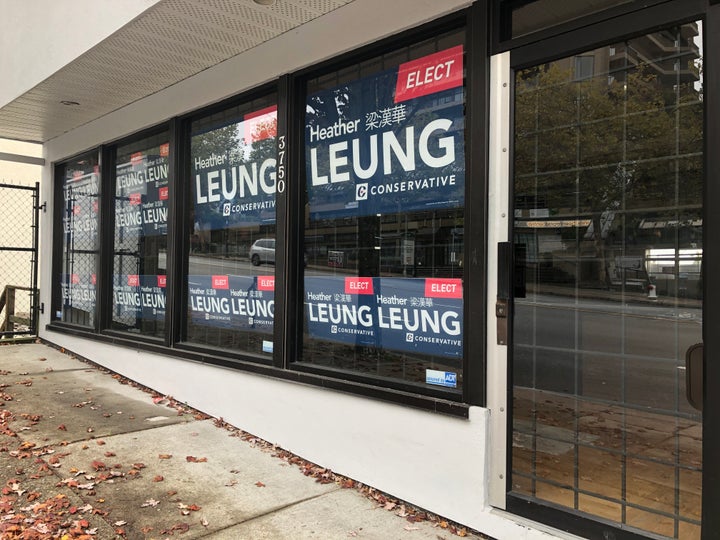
x,y
591,148
221,142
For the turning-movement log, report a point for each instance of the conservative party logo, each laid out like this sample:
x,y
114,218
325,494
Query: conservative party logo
x,y
361,192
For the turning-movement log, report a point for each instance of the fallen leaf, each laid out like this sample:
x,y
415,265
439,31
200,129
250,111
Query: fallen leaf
x,y
100,442
164,456
204,522
411,528
193,459
120,523
150,502
158,478
259,484
62,427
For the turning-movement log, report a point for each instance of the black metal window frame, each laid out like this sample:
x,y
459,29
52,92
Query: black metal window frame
x,y
598,30
289,213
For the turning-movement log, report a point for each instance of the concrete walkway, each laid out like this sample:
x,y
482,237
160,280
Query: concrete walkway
x,y
84,452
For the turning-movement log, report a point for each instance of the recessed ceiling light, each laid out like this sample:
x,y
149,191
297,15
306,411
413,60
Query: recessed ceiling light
x,y
69,103
264,2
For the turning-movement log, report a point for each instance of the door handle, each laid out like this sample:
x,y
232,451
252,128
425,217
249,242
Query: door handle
x,y
694,375
502,304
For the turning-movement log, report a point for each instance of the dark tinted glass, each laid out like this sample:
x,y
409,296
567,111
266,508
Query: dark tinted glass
x,y
142,189
231,273
80,185
384,222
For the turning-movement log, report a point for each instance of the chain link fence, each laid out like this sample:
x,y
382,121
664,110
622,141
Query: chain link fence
x,y
18,260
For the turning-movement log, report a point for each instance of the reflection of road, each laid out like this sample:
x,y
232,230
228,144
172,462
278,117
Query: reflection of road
x,y
657,310
621,352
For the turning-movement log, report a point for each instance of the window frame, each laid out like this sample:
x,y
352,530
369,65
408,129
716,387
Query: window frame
x,y
290,213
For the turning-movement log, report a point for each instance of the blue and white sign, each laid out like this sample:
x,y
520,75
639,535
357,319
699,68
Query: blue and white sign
x,y
390,142
441,378
413,315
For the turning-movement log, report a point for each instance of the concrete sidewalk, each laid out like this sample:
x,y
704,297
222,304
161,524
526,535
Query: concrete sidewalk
x,y
85,454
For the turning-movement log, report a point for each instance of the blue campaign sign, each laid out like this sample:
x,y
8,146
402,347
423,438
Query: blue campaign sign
x,y
138,297
141,195
403,314
234,172
390,142
234,302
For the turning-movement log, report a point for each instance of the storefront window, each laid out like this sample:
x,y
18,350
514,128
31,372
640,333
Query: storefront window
x,y
142,190
384,220
231,272
79,210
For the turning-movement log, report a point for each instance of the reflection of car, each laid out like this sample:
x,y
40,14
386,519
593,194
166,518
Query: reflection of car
x,y
262,251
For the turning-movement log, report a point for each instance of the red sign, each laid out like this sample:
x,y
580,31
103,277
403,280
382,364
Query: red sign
x,y
95,206
163,193
74,279
136,159
133,280
260,125
165,150
266,283
443,288
135,198
220,282
358,285
77,210
93,279
162,281
433,73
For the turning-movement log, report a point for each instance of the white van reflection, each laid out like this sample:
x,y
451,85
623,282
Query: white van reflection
x,y
263,252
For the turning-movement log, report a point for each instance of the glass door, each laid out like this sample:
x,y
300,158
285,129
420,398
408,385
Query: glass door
x,y
608,238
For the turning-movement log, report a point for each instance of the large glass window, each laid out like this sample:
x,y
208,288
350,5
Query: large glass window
x,y
231,274
384,220
79,218
608,215
142,189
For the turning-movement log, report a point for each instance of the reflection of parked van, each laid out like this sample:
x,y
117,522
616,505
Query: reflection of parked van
x,y
262,251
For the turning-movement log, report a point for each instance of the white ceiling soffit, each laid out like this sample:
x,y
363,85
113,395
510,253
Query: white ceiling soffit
x,y
172,41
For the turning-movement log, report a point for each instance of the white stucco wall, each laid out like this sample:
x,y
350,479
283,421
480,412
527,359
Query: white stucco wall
x,y
40,36
437,462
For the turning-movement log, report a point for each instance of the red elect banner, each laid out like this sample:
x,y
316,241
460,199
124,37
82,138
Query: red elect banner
x,y
165,150
260,125
433,73
266,283
136,159
358,285
162,280
133,280
443,288
163,193
220,282
135,198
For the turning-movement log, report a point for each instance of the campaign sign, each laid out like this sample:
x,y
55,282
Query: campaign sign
x,y
234,302
392,142
81,192
403,314
78,291
141,195
234,172
138,297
